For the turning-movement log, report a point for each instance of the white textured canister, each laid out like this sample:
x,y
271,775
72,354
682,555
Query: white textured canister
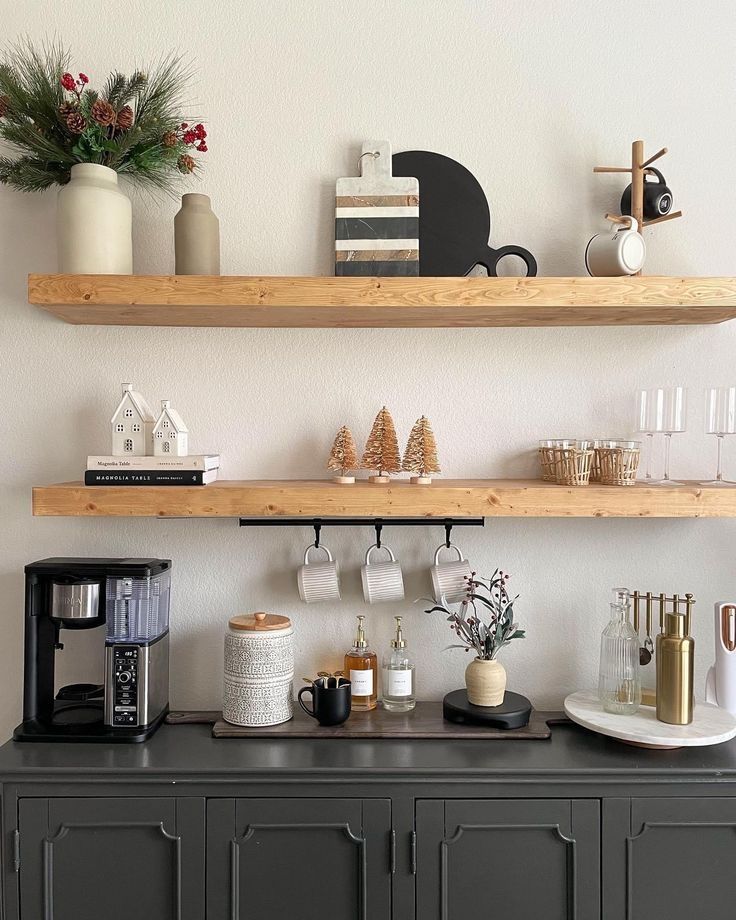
x,y
259,670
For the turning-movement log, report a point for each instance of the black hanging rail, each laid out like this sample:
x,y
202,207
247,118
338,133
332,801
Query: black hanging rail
x,y
377,522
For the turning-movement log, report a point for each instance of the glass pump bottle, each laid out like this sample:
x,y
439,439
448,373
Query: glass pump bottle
x,y
361,667
619,685
397,675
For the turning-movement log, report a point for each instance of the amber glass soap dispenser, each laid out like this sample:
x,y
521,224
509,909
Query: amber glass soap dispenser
x,y
361,666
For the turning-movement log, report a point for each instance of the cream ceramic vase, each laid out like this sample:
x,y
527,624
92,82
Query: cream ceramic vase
x,y
196,237
485,682
94,223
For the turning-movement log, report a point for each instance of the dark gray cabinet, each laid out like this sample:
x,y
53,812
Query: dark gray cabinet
x,y
111,858
310,859
507,859
187,827
670,857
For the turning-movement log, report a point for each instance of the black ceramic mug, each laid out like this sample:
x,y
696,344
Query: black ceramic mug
x,y
331,697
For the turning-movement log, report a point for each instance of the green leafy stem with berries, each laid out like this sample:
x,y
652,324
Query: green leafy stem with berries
x,y
484,621
51,120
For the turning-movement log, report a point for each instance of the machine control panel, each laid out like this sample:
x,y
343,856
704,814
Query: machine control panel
x,y
125,680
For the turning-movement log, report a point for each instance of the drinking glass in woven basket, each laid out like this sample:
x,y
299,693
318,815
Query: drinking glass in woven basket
x,y
547,458
617,462
573,464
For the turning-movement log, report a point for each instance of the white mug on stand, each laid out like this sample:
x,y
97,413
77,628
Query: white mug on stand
x,y
450,579
318,581
382,581
618,251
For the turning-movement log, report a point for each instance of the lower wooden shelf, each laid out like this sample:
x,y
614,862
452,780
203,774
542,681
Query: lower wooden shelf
x,y
444,498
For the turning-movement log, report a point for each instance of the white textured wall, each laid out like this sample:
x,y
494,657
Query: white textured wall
x,y
529,96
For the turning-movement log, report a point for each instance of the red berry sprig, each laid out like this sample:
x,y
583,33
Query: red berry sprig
x,y
74,86
193,136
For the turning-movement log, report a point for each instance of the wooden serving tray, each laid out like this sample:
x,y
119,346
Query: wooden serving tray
x,y
425,721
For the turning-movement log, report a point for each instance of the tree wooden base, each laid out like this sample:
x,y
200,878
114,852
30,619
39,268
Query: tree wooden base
x,y
421,480
345,480
381,480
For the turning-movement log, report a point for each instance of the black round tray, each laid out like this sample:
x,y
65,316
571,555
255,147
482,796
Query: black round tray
x,y
514,712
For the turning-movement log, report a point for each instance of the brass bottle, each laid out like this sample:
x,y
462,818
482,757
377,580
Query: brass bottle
x,y
675,658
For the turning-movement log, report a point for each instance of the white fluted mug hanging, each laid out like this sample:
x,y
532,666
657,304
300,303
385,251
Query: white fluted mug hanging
x,y
318,581
450,579
259,670
94,223
382,581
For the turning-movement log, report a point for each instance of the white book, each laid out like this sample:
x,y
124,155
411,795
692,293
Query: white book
x,y
192,462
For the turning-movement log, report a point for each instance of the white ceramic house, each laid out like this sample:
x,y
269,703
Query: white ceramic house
x,y
132,425
170,434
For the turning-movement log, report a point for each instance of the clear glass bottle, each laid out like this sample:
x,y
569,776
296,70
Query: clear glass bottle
x,y
397,675
619,686
361,666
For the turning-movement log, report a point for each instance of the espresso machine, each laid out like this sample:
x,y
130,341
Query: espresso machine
x,y
127,600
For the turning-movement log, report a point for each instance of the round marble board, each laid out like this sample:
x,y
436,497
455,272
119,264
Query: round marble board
x,y
710,724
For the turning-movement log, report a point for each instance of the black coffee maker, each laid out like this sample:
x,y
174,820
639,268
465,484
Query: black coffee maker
x,y
130,599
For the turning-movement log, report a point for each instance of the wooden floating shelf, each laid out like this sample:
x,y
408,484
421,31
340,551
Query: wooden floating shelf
x,y
233,301
444,498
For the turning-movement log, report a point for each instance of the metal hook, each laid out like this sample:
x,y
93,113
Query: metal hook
x,y
317,530
368,153
379,527
448,532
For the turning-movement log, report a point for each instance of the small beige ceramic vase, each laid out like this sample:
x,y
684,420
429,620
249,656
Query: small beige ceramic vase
x,y
485,682
196,237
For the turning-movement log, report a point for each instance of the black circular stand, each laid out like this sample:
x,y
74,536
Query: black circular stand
x,y
514,712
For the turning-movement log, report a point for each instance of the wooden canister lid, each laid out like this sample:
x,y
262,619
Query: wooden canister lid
x,y
259,622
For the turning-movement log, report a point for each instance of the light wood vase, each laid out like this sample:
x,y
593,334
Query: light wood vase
x,y
485,682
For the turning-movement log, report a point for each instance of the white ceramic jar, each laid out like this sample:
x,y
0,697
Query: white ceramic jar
x,y
259,670
94,223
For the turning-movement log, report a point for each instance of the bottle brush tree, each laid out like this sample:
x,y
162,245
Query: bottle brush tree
x,y
420,456
381,454
343,457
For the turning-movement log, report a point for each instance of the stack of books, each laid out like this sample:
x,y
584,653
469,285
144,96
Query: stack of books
x,y
195,470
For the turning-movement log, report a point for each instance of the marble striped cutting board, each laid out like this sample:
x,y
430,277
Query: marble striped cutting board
x,y
377,218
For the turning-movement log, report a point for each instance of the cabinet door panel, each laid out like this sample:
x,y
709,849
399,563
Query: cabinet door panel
x,y
505,859
679,859
91,858
305,858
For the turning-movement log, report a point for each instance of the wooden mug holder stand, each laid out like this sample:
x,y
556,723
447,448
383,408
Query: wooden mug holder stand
x,y
637,169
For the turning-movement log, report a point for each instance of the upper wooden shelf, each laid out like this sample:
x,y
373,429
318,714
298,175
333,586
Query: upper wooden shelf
x,y
444,498
203,300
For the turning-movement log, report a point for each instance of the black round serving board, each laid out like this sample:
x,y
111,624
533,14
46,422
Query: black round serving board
x,y
454,217
514,712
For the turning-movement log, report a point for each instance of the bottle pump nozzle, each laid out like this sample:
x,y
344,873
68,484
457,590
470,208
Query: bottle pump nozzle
x,y
398,641
361,641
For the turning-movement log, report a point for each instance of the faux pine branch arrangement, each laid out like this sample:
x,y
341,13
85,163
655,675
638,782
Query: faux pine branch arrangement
x,y
484,621
52,120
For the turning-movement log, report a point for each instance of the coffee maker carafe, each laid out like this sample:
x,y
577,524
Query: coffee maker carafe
x,y
130,599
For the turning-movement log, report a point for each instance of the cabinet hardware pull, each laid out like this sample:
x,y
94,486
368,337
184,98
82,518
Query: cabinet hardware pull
x,y
392,852
413,852
16,851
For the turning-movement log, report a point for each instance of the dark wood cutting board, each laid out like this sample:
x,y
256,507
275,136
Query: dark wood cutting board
x,y
425,721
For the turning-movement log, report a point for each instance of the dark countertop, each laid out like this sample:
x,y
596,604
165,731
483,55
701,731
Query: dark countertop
x,y
186,753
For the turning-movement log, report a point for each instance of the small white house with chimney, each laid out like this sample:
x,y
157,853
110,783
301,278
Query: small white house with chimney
x,y
170,434
132,425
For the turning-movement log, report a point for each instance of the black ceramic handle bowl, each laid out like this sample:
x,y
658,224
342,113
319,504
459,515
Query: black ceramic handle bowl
x,y
330,705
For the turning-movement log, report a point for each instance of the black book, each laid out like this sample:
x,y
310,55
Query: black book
x,y
149,477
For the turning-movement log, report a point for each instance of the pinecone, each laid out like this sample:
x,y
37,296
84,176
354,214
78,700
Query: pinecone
x,y
170,139
125,118
4,105
185,163
66,108
75,122
103,113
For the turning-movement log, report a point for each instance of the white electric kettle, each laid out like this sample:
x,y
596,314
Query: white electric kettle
x,y
720,683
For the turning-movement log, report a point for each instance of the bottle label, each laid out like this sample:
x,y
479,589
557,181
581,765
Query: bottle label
x,y
362,682
397,683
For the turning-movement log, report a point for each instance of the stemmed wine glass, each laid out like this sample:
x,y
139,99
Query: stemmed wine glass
x,y
674,416
720,420
649,415
662,410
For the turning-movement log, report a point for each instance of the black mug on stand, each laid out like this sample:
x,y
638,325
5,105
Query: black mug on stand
x,y
331,698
